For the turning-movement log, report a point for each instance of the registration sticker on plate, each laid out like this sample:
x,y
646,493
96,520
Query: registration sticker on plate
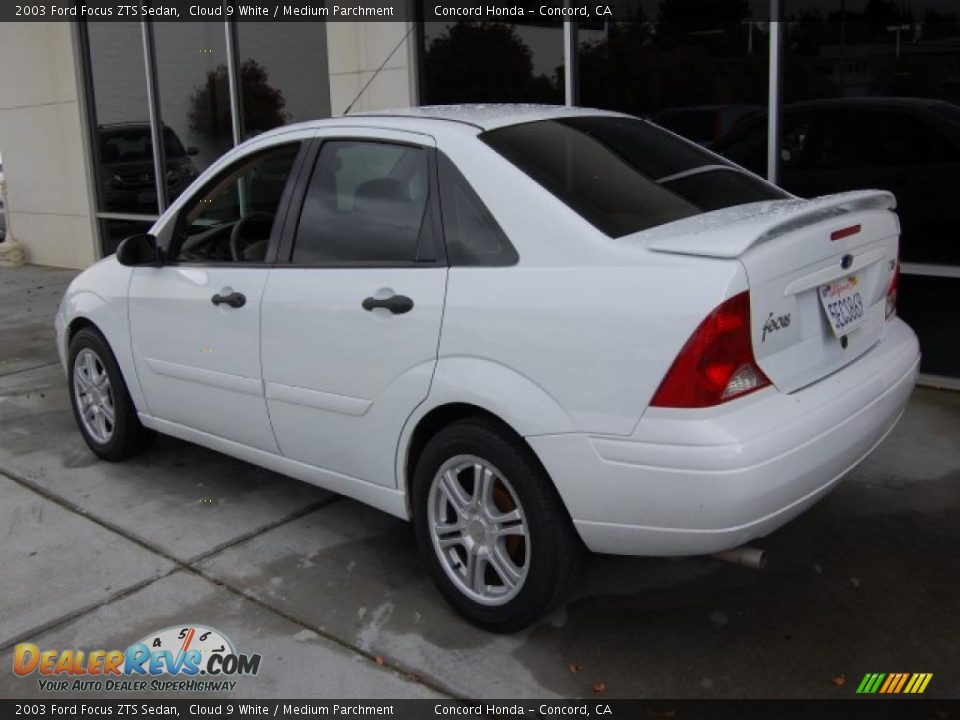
x,y
843,305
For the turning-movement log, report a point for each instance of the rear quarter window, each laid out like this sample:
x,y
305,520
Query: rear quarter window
x,y
624,175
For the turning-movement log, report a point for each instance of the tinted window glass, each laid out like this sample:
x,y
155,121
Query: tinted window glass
x,y
123,149
231,218
620,174
720,188
365,203
191,65
473,236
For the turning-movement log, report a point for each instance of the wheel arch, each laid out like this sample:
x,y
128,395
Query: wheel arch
x,y
87,309
472,387
77,324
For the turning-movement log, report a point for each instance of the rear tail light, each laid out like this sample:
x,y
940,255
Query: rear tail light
x,y
892,292
717,363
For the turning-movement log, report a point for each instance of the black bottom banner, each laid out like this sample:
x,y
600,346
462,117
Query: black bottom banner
x,y
423,709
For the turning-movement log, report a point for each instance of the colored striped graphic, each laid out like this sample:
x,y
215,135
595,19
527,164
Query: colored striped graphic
x,y
894,683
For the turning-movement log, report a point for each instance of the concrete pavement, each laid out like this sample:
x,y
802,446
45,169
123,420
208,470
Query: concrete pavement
x,y
332,594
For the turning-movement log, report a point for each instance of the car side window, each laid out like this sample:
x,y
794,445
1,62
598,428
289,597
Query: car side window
x,y
472,234
365,203
230,220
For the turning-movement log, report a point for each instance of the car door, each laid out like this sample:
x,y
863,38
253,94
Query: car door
x,y
352,311
195,321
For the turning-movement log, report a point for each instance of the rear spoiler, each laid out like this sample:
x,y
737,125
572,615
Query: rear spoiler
x,y
730,232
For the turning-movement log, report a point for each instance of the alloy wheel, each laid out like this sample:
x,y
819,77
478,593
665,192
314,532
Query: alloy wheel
x,y
479,530
93,396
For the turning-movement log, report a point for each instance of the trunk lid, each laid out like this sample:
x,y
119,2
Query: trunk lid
x,y
791,249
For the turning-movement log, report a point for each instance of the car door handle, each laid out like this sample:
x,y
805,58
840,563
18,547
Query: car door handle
x,y
233,299
397,304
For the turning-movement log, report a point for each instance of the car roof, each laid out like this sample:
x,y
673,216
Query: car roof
x,y
472,119
488,116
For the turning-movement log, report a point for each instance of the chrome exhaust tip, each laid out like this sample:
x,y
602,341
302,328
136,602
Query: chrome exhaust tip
x,y
745,555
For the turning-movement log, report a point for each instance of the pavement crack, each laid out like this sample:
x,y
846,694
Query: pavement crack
x,y
190,566
327,635
80,612
305,510
28,369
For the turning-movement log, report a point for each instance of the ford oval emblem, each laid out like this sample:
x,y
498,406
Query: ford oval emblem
x,y
846,262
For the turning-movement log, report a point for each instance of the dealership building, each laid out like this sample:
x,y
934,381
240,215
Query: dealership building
x,y
854,93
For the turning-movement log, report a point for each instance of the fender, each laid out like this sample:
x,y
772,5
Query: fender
x,y
514,398
107,310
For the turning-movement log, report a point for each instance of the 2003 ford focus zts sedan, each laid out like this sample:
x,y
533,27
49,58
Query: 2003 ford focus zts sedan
x,y
526,329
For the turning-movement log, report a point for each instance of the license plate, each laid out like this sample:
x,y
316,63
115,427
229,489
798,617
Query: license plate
x,y
843,305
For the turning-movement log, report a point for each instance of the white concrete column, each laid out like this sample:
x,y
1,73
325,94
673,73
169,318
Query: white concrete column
x,y
354,52
42,142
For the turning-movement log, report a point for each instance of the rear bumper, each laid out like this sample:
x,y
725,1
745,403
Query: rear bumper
x,y
691,482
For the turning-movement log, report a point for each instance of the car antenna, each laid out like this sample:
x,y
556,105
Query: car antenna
x,y
373,77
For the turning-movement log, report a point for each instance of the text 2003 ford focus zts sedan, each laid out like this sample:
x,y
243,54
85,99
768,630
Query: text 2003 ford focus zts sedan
x,y
526,329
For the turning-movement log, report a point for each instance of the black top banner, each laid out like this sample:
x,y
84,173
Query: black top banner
x,y
537,12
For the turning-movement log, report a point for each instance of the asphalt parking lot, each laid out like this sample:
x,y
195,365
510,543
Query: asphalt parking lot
x,y
333,597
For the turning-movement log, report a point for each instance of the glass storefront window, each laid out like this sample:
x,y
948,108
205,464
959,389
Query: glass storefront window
x,y
871,95
114,231
491,62
871,99
283,74
191,62
123,150
931,306
698,79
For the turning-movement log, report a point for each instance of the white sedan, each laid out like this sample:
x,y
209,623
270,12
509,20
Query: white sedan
x,y
528,330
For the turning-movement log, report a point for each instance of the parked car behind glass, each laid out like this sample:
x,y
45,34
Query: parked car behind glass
x,y
909,146
705,124
127,177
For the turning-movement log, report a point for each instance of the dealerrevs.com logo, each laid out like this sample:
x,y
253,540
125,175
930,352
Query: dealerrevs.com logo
x,y
186,658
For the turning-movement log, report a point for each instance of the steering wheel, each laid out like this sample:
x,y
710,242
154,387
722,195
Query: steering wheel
x,y
238,240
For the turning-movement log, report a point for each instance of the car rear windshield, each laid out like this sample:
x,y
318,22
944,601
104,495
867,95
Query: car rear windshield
x,y
623,174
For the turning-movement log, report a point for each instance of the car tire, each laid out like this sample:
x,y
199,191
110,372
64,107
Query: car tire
x,y
505,559
101,403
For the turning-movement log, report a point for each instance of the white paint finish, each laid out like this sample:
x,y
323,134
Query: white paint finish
x,y
387,499
568,346
99,295
595,340
735,472
732,231
493,115
316,400
213,378
352,376
787,251
819,277
199,363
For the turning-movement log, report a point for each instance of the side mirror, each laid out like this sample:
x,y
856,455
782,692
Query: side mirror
x,y
192,150
139,250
